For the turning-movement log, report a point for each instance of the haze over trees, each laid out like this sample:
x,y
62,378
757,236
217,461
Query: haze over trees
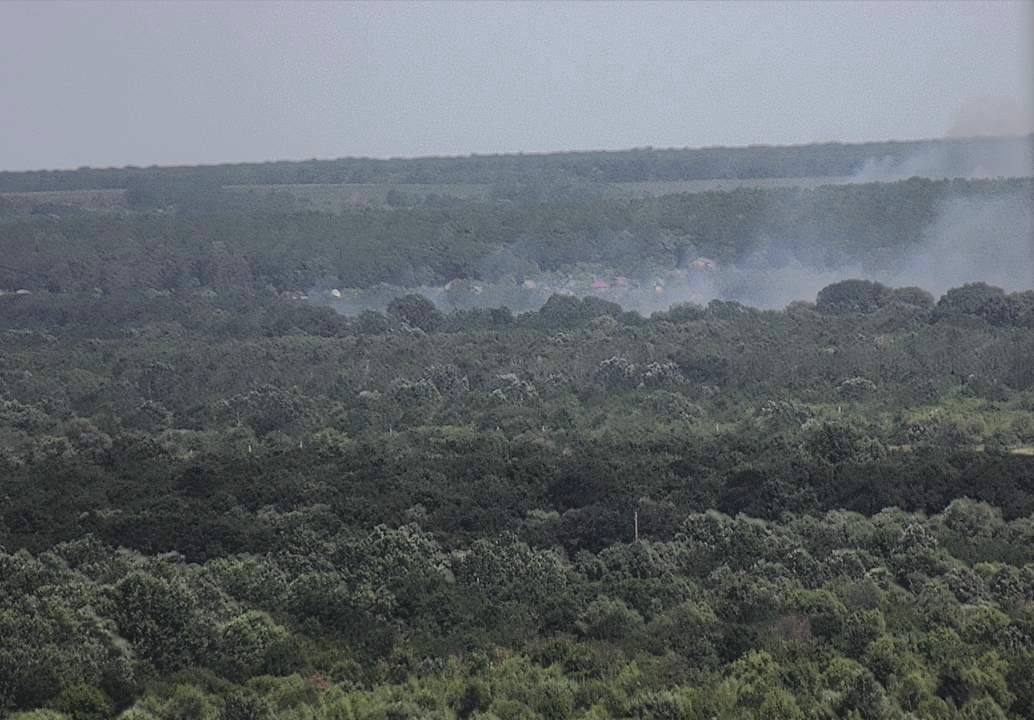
x,y
519,474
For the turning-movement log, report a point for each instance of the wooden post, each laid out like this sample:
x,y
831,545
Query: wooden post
x,y
636,517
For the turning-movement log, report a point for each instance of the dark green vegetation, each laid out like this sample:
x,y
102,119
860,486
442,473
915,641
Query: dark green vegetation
x,y
218,503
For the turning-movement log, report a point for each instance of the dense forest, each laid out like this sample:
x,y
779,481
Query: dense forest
x,y
221,499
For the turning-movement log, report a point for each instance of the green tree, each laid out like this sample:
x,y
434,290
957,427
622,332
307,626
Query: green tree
x,y
416,311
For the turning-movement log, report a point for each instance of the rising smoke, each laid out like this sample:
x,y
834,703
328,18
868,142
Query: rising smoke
x,y
970,239
973,239
1006,158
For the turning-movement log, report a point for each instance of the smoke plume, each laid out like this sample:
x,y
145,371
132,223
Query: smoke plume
x,y
976,238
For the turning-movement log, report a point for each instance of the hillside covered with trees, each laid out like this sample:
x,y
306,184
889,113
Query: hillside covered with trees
x,y
221,500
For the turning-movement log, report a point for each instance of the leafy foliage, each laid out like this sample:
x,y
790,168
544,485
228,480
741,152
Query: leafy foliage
x,y
218,501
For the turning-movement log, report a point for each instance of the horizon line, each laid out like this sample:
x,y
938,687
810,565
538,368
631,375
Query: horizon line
x,y
518,153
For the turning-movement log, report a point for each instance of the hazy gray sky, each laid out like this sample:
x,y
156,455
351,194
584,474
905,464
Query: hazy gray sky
x,y
103,83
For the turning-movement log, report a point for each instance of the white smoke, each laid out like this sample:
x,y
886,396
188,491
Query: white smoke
x,y
990,137
975,159
973,239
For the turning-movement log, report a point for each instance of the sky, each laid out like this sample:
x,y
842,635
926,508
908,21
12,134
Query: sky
x,y
118,83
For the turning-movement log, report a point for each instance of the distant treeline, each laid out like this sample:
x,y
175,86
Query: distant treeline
x,y
643,164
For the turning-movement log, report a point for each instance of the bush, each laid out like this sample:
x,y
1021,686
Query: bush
x,y
852,296
84,702
416,311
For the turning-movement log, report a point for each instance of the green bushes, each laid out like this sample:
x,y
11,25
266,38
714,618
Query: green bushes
x,y
653,629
